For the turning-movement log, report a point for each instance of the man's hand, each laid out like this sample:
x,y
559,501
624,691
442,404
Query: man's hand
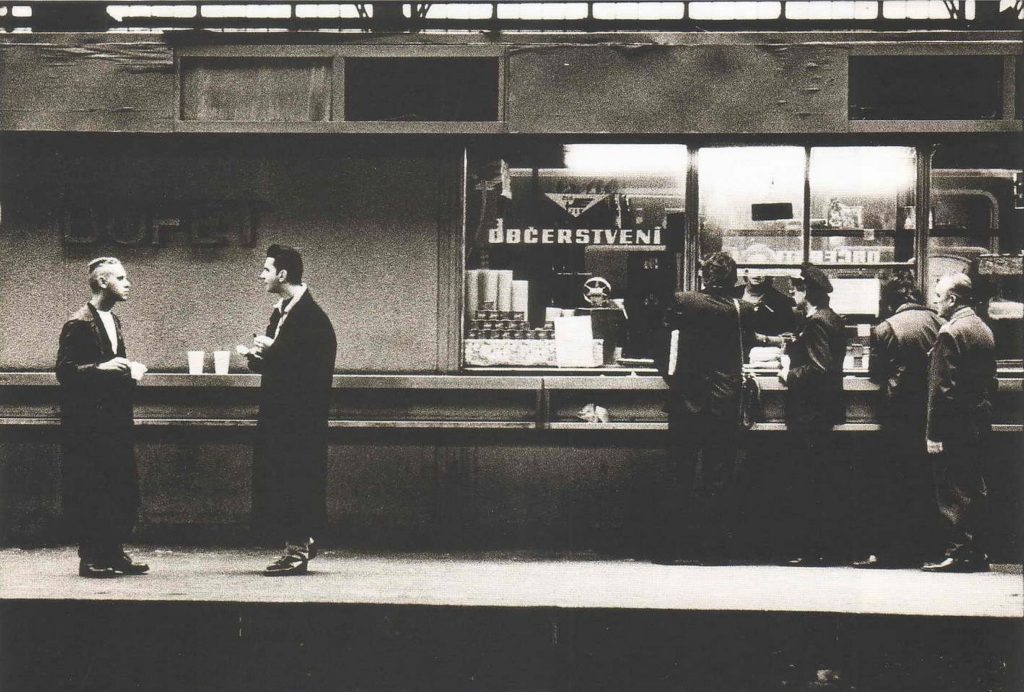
x,y
784,370
934,447
259,343
117,364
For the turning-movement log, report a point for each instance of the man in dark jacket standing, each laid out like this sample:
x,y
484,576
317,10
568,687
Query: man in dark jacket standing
x,y
812,370
101,487
900,347
296,358
704,375
961,382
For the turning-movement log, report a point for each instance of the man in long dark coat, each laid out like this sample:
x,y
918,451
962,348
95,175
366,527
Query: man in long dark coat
x,y
296,358
713,332
961,382
900,348
101,489
813,374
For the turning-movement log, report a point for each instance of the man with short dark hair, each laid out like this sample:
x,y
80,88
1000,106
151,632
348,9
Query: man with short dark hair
x,y
900,347
296,359
101,488
713,332
961,382
812,370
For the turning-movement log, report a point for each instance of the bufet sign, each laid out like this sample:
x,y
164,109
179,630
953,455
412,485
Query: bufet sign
x,y
635,237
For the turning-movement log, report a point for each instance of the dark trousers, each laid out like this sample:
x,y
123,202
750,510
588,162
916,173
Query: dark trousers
x,y
101,496
697,512
289,483
961,495
900,507
819,481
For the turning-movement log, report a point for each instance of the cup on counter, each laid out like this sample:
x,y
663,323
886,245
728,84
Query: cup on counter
x,y
221,362
195,362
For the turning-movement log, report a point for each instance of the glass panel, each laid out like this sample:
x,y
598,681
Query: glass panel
x,y
751,202
972,213
589,231
862,205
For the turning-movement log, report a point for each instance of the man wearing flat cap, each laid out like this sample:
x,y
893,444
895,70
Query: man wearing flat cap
x,y
812,371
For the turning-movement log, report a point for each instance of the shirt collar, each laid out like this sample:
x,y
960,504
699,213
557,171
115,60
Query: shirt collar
x,y
965,311
285,309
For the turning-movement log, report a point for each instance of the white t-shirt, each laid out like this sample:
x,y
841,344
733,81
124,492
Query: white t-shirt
x,y
108,324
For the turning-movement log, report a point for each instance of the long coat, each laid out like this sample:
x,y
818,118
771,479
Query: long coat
x,y
97,419
961,380
814,398
295,394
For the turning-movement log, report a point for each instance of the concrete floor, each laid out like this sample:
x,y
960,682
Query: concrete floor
x,y
516,581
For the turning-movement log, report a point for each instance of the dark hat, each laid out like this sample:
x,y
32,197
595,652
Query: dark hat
x,y
815,279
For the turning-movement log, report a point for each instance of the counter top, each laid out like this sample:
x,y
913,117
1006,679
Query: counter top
x,y
1008,381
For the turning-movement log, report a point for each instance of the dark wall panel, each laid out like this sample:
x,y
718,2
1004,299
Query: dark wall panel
x,y
367,221
658,88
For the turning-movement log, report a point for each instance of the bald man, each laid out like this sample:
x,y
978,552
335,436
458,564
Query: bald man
x,y
101,490
961,381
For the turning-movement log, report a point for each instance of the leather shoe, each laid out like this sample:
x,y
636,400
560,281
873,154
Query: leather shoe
x,y
806,562
953,565
123,564
876,562
287,565
91,570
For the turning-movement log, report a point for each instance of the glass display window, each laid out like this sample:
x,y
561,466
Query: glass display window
x,y
751,203
862,205
571,257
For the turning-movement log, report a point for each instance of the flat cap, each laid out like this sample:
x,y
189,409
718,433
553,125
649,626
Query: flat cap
x,y
814,278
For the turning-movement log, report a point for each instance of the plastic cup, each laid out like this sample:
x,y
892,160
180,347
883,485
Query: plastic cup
x,y
195,362
138,370
221,362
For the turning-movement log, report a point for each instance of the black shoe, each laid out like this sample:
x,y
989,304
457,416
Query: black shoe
x,y
287,566
123,565
91,570
955,565
876,562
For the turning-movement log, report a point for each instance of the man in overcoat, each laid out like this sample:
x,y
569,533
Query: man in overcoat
x,y
296,357
100,481
961,382
812,370
713,333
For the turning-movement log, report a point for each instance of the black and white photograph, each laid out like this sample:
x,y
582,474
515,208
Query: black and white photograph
x,y
492,345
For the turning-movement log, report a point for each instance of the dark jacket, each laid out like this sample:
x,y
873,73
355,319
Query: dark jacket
x,y
900,347
92,399
815,385
100,481
961,380
773,314
709,359
297,370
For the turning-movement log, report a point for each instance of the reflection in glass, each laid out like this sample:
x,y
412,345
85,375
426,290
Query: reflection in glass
x,y
862,205
741,184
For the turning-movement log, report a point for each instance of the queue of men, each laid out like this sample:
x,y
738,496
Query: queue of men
x,y
937,371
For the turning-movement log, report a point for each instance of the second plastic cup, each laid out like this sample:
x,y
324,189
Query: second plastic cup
x,y
195,362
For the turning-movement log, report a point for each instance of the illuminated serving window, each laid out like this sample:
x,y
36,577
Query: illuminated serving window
x,y
571,255
751,203
862,205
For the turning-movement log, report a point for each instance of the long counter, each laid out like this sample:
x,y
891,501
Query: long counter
x,y
475,401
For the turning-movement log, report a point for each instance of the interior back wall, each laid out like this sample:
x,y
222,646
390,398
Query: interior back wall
x,y
370,220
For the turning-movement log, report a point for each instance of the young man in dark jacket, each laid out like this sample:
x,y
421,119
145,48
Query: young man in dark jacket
x,y
900,347
101,486
704,378
296,359
961,382
812,370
